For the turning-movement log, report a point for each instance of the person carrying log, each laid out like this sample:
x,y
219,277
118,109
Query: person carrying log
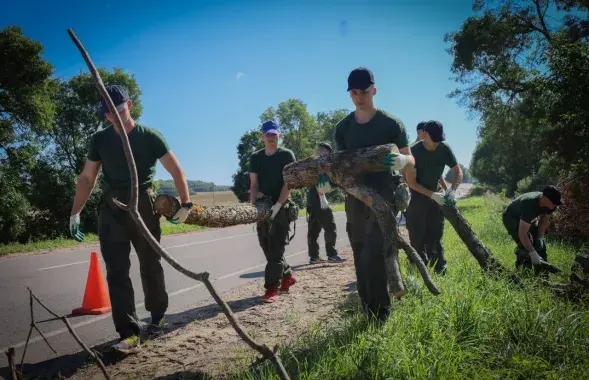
x,y
116,229
266,177
526,221
425,220
420,137
365,127
320,216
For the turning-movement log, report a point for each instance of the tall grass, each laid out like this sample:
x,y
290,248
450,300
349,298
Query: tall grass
x,y
477,328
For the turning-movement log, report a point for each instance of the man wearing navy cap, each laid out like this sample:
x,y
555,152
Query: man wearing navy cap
x,y
526,221
116,229
425,220
266,180
368,126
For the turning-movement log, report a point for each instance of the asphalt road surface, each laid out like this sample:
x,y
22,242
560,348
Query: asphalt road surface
x,y
231,255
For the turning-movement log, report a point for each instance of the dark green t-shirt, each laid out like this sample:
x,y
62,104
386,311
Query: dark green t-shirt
x,y
383,128
269,170
429,165
526,207
147,144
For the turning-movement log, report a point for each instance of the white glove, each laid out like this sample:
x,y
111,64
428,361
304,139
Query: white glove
x,y
275,210
181,215
323,186
536,259
395,161
438,198
323,201
451,194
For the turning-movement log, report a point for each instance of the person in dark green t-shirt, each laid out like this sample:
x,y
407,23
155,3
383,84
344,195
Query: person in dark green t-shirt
x,y
425,221
116,229
266,180
421,136
368,126
526,221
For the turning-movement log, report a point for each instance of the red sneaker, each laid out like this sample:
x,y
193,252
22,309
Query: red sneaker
x,y
286,283
271,295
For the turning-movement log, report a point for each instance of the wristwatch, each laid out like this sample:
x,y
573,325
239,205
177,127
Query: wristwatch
x,y
187,205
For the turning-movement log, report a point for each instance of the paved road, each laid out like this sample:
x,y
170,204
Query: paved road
x,y
232,256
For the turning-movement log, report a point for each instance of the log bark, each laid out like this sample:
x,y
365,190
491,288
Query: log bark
x,y
220,216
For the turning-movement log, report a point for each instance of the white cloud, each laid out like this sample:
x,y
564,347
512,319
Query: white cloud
x,y
239,75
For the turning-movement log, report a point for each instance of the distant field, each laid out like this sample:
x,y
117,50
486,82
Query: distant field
x,y
208,199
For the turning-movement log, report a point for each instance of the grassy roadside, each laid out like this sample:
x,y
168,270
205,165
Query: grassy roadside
x,y
477,328
90,239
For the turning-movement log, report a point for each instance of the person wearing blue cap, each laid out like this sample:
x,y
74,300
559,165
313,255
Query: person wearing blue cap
x,y
116,229
266,180
364,127
425,220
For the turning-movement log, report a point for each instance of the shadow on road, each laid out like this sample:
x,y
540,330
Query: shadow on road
x,y
295,268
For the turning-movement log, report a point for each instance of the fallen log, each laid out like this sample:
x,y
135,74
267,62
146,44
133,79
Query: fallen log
x,y
219,216
346,170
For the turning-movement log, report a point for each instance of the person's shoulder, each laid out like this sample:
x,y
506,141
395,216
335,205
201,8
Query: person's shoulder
x,y
416,144
102,133
390,118
258,152
286,152
446,145
148,130
345,120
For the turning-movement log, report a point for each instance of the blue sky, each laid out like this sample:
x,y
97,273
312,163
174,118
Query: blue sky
x,y
210,68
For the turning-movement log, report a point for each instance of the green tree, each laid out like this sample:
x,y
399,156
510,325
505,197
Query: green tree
x,y
250,142
26,115
465,175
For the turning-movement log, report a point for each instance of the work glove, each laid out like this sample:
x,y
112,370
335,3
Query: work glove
x,y
324,184
450,197
439,198
394,161
274,210
182,214
535,257
323,201
75,227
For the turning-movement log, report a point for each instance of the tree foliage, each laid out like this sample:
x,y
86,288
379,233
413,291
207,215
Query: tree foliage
x,y
523,68
465,175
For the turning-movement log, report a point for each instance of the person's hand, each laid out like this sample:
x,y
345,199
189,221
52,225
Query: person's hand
x,y
439,198
323,201
450,196
274,210
182,214
75,227
535,257
324,185
394,161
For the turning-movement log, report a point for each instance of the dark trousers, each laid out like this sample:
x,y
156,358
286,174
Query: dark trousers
x,y
368,246
273,238
425,224
522,257
116,232
317,220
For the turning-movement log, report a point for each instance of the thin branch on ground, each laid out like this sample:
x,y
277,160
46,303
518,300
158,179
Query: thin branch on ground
x,y
133,211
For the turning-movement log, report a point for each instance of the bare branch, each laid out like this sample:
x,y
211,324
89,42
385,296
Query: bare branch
x,y
83,345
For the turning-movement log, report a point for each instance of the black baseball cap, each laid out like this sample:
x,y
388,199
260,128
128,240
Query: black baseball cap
x,y
420,125
553,194
325,145
435,129
360,79
118,94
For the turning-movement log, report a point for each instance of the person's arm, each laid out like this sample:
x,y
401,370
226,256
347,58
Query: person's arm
x,y
524,228
253,187
171,164
443,183
411,179
284,194
542,226
85,185
457,178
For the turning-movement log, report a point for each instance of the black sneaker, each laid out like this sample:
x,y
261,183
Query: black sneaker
x,y
336,259
315,260
156,326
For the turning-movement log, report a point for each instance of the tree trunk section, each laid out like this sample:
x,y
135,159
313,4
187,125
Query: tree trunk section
x,y
215,216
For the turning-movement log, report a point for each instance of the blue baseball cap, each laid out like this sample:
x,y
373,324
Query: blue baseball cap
x,y
271,127
119,96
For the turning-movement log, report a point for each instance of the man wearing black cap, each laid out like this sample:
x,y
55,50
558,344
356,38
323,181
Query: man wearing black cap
x,y
266,178
116,229
421,136
425,221
320,215
364,127
526,220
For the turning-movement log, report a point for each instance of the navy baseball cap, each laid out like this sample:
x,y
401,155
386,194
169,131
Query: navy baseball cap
x,y
435,130
271,127
360,79
119,96
553,194
420,125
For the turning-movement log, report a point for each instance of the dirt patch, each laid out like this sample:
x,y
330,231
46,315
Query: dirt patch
x,y
206,342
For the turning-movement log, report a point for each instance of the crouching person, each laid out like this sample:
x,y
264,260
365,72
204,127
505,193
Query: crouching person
x,y
273,234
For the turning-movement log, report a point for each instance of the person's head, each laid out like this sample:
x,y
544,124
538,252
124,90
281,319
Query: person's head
x,y
433,132
323,148
122,101
361,88
420,130
270,133
551,198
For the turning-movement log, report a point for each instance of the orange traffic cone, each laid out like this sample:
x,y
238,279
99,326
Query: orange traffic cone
x,y
96,299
